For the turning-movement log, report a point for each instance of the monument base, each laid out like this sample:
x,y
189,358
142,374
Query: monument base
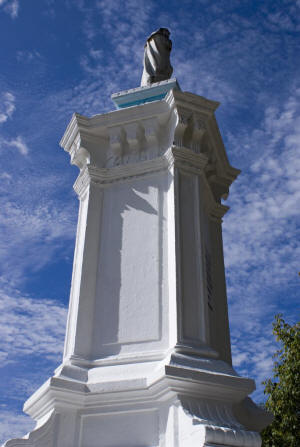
x,y
186,402
148,298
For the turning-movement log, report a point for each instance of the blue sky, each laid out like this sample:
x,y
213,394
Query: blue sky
x,y
62,56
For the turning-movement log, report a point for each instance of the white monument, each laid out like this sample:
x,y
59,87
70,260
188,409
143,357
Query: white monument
x,y
147,360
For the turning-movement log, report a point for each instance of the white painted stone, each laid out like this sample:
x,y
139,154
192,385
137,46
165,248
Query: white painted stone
x,y
147,359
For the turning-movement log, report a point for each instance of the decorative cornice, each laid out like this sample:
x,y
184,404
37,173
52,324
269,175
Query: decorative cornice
x,y
191,101
136,140
97,124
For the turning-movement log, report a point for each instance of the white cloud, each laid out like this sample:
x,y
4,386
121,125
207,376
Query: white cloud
x,y
17,143
11,7
261,234
124,64
5,176
30,326
96,54
7,106
267,195
28,56
215,74
252,357
32,233
126,38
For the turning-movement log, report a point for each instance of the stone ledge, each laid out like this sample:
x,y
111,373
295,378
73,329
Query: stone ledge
x,y
141,95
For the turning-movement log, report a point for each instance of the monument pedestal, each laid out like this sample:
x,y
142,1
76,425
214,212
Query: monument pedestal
x,y
147,358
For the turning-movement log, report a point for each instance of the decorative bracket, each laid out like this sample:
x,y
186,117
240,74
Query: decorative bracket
x,y
182,122
199,128
79,154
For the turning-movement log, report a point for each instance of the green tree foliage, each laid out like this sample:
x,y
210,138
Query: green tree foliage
x,y
284,389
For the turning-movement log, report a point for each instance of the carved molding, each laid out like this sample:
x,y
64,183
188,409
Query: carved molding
x,y
181,158
178,157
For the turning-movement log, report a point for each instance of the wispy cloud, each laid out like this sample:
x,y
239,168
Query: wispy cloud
x,y
253,357
31,235
263,215
17,143
261,234
7,109
32,333
11,7
7,106
28,56
30,326
233,52
31,344
34,223
5,176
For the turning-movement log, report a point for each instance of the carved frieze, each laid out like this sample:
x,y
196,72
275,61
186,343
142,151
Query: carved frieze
x,y
133,142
